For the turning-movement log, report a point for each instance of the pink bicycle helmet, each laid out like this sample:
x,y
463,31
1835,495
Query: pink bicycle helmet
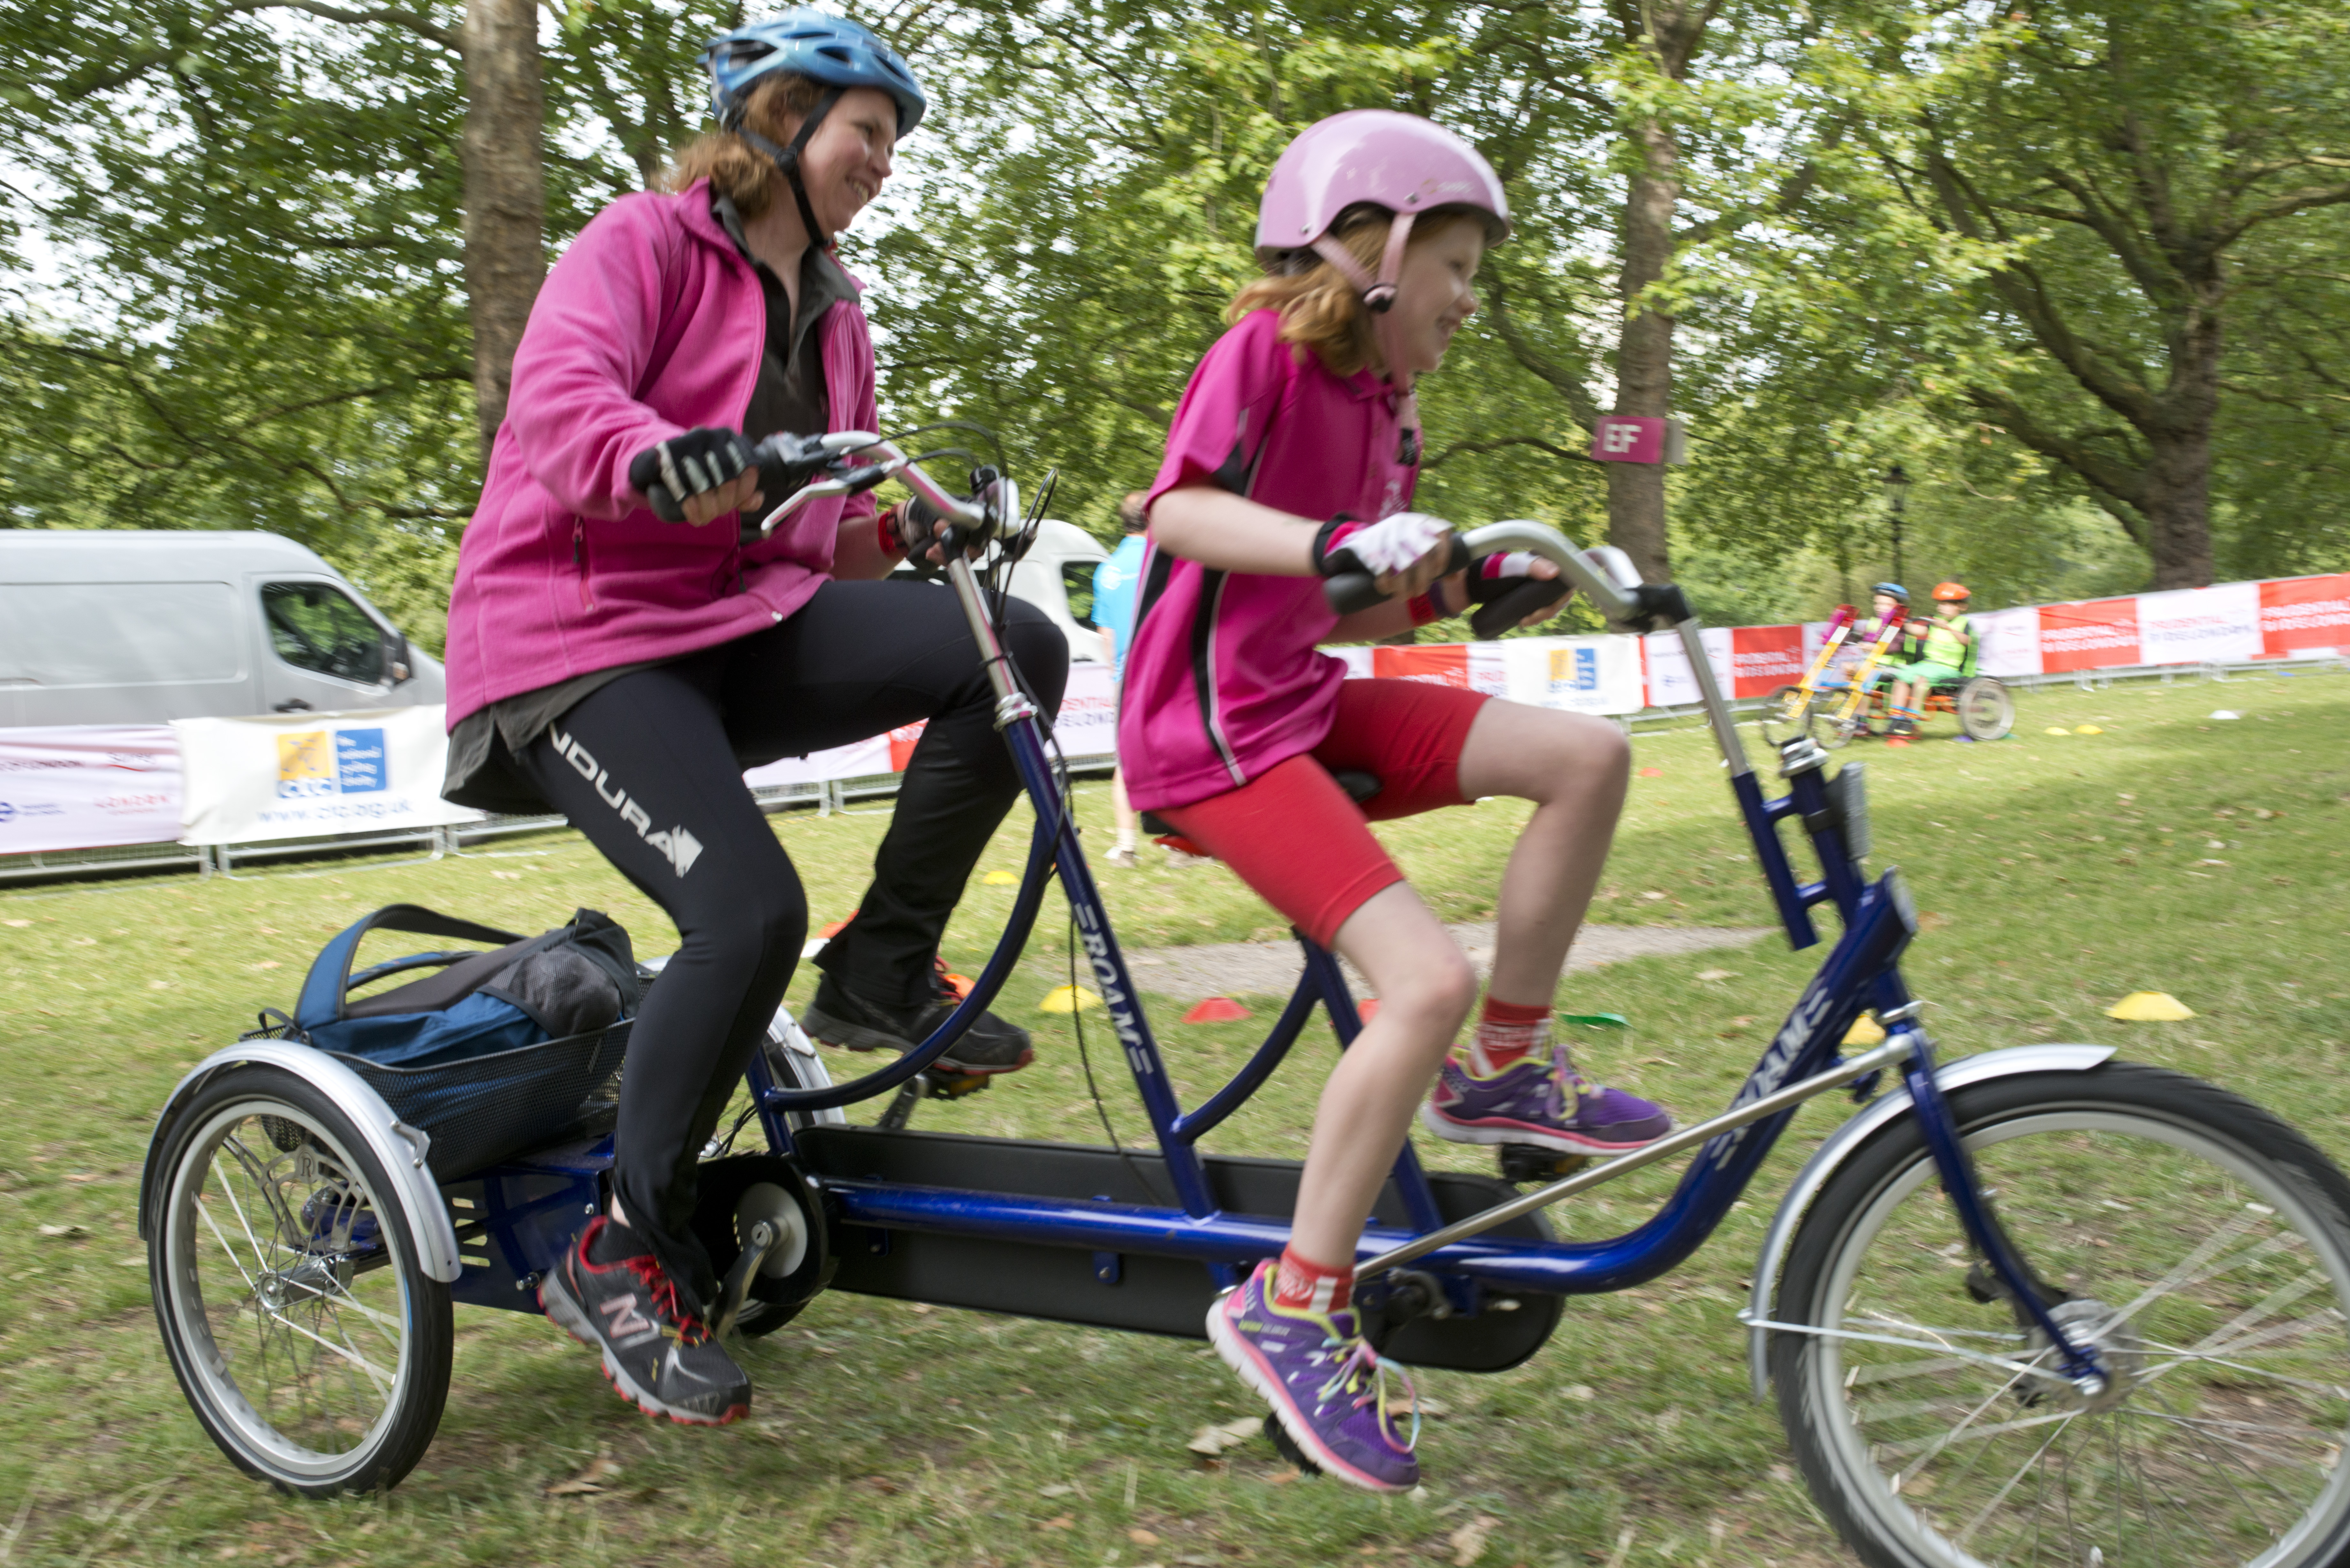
x,y
1376,156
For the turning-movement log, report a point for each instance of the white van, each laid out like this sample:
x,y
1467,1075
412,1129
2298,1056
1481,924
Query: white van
x,y
1056,576
124,626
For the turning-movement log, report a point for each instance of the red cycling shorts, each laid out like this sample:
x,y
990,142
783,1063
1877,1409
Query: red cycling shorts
x,y
1297,839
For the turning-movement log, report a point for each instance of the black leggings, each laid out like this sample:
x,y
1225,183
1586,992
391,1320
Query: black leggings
x,y
650,768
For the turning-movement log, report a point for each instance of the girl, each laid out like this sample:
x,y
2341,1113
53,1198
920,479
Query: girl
x,y
1292,458
621,649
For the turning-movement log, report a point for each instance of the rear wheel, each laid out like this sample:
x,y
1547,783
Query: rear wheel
x,y
2202,1247
1985,710
298,1318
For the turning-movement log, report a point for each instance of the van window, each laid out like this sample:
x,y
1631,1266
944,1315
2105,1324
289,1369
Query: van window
x,y
1077,581
122,634
317,626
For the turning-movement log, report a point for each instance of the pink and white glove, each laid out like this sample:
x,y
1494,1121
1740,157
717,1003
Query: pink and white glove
x,y
1390,545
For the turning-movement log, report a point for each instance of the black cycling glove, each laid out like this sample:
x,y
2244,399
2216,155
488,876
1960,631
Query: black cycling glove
x,y
688,464
1505,591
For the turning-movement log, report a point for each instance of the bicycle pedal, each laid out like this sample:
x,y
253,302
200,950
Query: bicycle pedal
x,y
947,1084
1526,1162
1287,1446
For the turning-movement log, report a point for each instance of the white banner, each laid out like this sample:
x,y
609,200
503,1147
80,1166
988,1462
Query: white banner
x,y
2196,626
86,786
298,774
857,759
2011,641
1670,682
1576,674
1088,723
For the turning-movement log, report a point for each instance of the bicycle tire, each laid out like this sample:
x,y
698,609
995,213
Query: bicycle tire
x,y
2047,1145
335,1292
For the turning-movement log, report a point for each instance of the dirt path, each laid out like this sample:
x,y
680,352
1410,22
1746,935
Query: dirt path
x,y
1271,969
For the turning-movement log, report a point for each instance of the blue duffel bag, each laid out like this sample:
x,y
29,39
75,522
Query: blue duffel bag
x,y
524,990
495,1052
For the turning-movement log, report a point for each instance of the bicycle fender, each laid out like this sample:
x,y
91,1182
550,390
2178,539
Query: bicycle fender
x,y
400,1149
1840,1145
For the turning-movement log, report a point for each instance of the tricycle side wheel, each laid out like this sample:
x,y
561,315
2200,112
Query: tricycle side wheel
x,y
2201,1247
306,1337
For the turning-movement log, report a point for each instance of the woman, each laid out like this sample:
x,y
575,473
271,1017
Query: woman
x,y
626,668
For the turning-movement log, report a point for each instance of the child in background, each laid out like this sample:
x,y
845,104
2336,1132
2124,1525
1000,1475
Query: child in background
x,y
1292,459
1115,582
1938,649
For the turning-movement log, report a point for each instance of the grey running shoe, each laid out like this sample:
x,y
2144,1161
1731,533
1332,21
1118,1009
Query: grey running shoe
x,y
662,1358
841,1017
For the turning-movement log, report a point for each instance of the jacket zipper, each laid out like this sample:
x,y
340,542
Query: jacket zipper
x,y
579,560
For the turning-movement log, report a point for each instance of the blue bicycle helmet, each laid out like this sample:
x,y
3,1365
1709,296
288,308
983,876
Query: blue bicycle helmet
x,y
829,50
1893,591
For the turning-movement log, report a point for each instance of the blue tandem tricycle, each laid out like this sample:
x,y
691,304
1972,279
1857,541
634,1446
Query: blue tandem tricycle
x,y
2038,1305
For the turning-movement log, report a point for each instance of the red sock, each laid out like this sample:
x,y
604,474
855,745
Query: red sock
x,y
1505,1032
1305,1285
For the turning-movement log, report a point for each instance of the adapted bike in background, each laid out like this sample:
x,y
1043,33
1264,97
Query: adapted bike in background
x,y
2035,1306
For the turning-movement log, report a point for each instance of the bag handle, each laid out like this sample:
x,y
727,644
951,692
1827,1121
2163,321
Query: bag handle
x,y
329,978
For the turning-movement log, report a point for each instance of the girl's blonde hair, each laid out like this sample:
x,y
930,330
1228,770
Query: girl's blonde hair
x,y
1320,307
733,168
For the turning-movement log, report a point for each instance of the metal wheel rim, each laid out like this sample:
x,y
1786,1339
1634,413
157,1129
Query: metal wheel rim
x,y
1986,709
188,1231
2319,1516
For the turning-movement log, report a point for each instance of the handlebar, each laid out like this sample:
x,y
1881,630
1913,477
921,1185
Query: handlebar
x,y
1351,591
973,519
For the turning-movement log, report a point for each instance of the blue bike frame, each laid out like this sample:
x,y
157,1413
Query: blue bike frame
x,y
1861,973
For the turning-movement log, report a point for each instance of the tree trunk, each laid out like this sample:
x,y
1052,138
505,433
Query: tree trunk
x,y
1644,352
505,200
2177,503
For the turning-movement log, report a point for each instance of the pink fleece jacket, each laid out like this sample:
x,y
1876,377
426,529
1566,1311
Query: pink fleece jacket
x,y
652,324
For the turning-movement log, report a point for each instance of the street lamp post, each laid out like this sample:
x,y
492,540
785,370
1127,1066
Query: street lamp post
x,y
1897,491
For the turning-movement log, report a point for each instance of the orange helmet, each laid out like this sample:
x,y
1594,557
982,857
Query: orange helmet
x,y
1950,591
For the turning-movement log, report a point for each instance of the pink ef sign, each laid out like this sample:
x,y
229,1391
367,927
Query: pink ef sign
x,y
1628,437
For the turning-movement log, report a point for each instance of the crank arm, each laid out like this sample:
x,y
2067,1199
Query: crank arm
x,y
737,1285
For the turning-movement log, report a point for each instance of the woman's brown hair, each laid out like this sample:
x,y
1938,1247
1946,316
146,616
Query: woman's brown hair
x,y
735,171
1320,307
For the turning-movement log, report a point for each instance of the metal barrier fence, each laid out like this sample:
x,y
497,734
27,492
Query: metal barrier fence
x,y
835,795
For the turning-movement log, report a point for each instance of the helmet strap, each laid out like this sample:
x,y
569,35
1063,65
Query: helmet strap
x,y
1378,297
787,160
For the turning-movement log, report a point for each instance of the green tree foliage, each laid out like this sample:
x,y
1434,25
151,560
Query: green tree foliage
x,y
2113,212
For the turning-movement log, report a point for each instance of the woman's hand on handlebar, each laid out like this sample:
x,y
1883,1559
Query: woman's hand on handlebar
x,y
739,493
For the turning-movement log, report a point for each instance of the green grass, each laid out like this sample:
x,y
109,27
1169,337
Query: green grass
x,y
2058,873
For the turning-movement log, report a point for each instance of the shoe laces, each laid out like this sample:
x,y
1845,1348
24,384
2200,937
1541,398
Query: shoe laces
x,y
1360,1372
666,1307
1563,1072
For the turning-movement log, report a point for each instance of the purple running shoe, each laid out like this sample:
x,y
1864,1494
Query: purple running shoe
x,y
1327,1389
1541,1101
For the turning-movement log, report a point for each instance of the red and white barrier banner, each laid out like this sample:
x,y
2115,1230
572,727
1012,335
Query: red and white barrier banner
x,y
1087,725
1468,666
1764,658
1576,674
2305,616
2218,625
2095,635
87,786
2009,641
1670,682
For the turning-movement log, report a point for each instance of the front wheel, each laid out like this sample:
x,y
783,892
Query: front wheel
x,y
1985,711
298,1318
2202,1247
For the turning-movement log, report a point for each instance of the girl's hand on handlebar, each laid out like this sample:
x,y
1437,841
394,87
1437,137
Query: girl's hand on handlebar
x,y
697,475
1416,578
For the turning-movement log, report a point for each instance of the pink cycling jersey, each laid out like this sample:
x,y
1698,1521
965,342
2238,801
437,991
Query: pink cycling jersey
x,y
1222,680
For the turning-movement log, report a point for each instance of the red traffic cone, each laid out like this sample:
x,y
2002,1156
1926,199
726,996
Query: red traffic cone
x,y
1367,1009
1216,1010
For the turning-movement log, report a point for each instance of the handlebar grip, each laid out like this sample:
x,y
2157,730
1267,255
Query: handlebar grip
x,y
1351,591
1496,616
665,505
